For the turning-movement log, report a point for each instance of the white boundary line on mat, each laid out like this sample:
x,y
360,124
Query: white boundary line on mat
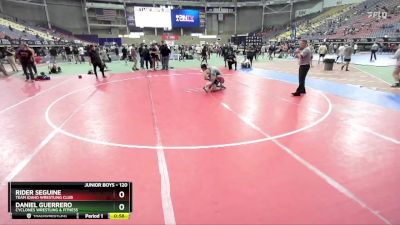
x,y
101,142
166,200
329,180
34,96
371,75
21,165
369,130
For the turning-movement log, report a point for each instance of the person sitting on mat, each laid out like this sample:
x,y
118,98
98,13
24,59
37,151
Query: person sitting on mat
x,y
214,78
54,69
245,64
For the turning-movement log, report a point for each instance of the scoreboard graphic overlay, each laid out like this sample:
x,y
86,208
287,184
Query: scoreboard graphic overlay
x,y
70,200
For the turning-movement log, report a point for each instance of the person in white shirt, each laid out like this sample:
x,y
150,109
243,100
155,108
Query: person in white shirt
x,y
198,52
82,53
304,56
322,50
374,49
340,53
396,72
133,54
311,46
348,50
355,47
263,50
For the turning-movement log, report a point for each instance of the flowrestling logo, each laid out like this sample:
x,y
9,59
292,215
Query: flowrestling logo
x,y
185,18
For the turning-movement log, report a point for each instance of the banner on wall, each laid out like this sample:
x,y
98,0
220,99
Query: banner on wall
x,y
220,10
130,16
378,15
202,19
154,17
185,18
110,41
173,37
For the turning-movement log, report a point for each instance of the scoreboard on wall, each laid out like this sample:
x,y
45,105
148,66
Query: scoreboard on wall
x,y
253,40
70,200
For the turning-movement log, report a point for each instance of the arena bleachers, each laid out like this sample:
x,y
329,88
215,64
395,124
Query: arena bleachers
x,y
21,31
359,22
351,21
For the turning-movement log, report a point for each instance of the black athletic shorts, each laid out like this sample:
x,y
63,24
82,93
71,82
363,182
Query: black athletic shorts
x,y
347,60
322,55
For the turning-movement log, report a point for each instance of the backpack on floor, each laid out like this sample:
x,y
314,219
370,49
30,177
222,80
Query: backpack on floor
x,y
42,76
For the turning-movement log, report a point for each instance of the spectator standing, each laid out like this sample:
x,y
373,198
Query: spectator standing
x,y
10,56
146,56
374,49
141,48
348,51
53,55
25,57
124,54
355,47
204,54
68,52
396,72
340,53
81,53
322,50
75,51
165,52
2,56
134,57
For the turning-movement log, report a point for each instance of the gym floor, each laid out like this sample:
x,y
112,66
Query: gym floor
x,y
250,154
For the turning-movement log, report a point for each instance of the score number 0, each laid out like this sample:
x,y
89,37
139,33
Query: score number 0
x,y
121,194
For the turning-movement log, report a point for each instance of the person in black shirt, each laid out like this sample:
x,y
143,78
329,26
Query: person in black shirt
x,y
255,52
33,60
204,54
224,52
250,55
182,53
96,61
146,56
53,55
141,56
271,50
25,57
164,51
116,51
231,59
69,53
153,55
124,54
75,51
